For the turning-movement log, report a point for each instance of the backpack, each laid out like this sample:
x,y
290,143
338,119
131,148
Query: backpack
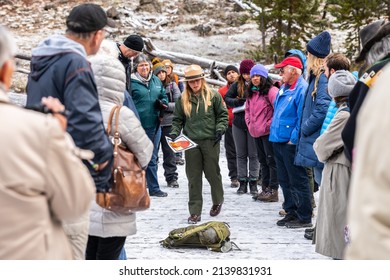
x,y
211,235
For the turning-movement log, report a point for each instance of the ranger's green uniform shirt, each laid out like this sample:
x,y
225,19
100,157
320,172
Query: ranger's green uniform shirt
x,y
202,124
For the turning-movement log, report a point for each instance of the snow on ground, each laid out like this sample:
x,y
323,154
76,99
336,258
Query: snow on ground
x,y
252,225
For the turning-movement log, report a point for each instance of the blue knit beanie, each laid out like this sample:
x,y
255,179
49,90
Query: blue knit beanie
x,y
319,46
259,70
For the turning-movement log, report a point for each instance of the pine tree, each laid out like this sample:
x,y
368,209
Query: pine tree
x,y
288,23
352,15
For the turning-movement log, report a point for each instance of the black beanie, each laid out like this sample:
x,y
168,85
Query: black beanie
x,y
230,67
134,42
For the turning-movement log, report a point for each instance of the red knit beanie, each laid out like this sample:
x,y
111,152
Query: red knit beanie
x,y
246,66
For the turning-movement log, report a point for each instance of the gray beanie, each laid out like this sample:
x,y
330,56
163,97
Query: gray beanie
x,y
341,83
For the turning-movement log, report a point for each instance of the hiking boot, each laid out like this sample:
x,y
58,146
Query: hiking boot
x,y
193,219
159,194
215,210
243,187
261,195
234,183
298,224
285,220
309,235
270,196
173,184
253,187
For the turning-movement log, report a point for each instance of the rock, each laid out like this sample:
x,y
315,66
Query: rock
x,y
112,13
194,6
151,6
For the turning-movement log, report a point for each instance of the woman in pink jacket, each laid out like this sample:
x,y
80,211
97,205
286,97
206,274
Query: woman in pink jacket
x,y
258,116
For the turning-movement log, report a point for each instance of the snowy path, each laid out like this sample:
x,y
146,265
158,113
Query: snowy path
x,y
252,224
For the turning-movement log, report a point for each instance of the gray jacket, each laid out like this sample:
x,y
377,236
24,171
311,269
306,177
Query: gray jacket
x,y
173,93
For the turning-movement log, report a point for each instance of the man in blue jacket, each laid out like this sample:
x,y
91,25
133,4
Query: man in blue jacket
x,y
59,68
284,135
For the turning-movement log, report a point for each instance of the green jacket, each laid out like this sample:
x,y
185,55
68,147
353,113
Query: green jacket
x,y
201,125
145,97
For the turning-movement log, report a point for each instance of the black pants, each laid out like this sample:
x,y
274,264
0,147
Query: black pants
x,y
104,248
230,150
265,153
169,158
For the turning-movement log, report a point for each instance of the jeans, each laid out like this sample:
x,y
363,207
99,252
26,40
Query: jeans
x,y
230,153
169,157
294,182
151,172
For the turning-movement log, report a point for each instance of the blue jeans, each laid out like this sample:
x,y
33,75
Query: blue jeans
x,y
294,182
151,172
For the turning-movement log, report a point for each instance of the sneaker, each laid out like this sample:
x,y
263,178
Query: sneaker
x,y
298,224
193,219
285,220
173,184
159,194
234,183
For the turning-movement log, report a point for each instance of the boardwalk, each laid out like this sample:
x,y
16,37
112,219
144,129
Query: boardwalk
x,y
252,224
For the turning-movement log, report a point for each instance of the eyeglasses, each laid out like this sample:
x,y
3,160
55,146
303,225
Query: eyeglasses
x,y
282,70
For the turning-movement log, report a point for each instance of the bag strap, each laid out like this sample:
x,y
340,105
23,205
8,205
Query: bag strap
x,y
109,123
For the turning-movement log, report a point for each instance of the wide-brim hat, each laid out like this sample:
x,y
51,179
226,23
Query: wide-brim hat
x,y
371,34
193,72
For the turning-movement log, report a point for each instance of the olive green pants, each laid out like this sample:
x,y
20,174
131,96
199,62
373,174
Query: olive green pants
x,y
203,159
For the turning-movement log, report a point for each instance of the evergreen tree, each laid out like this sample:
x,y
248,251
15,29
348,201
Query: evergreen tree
x,y
352,15
288,23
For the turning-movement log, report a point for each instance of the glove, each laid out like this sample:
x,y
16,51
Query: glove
x,y
159,105
173,137
218,137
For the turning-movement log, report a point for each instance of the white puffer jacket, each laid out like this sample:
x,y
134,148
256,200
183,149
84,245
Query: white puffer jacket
x,y
110,80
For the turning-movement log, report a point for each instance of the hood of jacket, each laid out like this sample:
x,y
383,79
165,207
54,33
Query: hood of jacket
x,y
50,50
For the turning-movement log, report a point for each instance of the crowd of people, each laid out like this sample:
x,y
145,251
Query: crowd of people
x,y
298,133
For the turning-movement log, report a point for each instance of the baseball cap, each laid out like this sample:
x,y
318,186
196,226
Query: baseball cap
x,y
292,61
86,18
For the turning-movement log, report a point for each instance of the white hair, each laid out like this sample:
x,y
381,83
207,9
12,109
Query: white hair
x,y
378,51
7,46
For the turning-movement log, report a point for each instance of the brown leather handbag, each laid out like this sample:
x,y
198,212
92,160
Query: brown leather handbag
x,y
128,192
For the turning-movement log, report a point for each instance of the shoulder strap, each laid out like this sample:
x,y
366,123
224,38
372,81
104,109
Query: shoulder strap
x,y
109,122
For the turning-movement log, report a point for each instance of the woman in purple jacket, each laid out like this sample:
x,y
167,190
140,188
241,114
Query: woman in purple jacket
x,y
258,116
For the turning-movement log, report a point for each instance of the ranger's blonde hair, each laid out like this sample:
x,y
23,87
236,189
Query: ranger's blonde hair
x,y
205,94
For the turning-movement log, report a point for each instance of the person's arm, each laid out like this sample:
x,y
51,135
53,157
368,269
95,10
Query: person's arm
x,y
330,141
85,122
69,185
299,99
231,97
221,113
178,118
317,116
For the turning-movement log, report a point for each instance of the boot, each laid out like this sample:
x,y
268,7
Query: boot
x,y
243,187
264,190
271,196
253,187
